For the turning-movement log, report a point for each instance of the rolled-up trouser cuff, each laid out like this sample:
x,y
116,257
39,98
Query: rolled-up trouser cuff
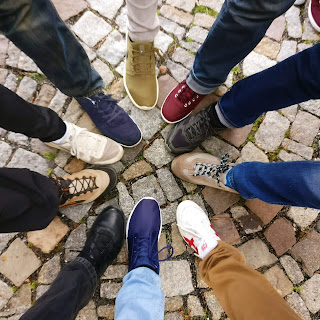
x,y
89,268
198,86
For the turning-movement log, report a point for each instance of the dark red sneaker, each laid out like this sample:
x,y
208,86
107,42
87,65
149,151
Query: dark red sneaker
x,y
180,102
314,14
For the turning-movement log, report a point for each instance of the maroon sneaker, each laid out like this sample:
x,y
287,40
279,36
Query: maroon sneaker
x,y
314,14
179,103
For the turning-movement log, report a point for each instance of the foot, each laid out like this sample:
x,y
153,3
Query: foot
x,y
180,102
143,232
140,79
203,169
111,120
84,186
314,14
195,228
105,239
89,147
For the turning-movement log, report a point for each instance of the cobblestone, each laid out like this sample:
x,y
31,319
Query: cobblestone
x,y
290,112
27,88
279,281
176,15
255,62
293,22
125,201
298,148
49,271
297,304
213,305
172,27
251,153
194,306
288,49
68,9
276,29
106,9
162,41
104,71
303,217
178,71
18,138
197,34
184,57
310,293
169,184
203,20
157,154
312,106
268,48
5,152
292,269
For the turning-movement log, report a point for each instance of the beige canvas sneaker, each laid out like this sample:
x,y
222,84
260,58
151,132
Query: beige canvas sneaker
x,y
90,147
140,79
203,169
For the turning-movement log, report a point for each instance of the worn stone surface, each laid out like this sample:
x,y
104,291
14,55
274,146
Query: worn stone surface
x,y
57,102
276,29
169,213
157,153
77,238
137,169
5,238
89,312
76,213
279,281
290,112
110,290
213,305
115,272
309,33
49,271
250,223
288,49
5,152
41,290
173,316
292,269
303,217
18,138
172,27
106,311
39,147
194,306
68,9
5,294
298,148
268,48
177,243
285,156
162,243
45,95
74,112
162,41
104,71
75,165
197,34
236,136
178,71
3,74
27,88
184,57
203,20
11,82
25,63
298,305
173,304
251,153
169,184
125,201
255,62
312,106
176,15
106,9
293,22
310,293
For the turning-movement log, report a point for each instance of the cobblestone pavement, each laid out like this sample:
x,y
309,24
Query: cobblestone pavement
x,y
281,242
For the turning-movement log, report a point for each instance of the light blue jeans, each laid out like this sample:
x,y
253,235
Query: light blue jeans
x,y
140,297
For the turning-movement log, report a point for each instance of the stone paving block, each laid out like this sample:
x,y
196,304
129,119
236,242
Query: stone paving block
x,y
203,20
307,251
57,102
89,312
115,272
177,272
272,131
120,68
304,46
3,75
292,269
194,306
225,228
75,165
4,43
172,27
117,89
148,187
5,152
18,262
114,48
173,304
236,136
169,184
48,238
49,270
138,169
298,305
268,47
309,33
45,95
290,112
162,243
200,282
5,238
91,29
178,71
219,200
166,84
310,293
303,217
238,212
74,112
104,71
176,15
13,54
25,63
250,223
177,243
169,213
125,201
77,238
27,88
90,53
197,34
251,153
184,57
6,292
279,281
285,156
312,106
106,311
173,316
122,20
62,158
26,159
189,186
162,41
18,138
68,9
288,49
192,46
298,148
107,9
255,63
110,290
281,236
11,82
213,305
257,254
304,128
182,4
265,211
217,148
293,22
76,213
215,5
41,290
276,29
157,154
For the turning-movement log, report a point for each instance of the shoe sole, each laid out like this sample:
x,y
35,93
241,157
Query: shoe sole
x,y
113,176
163,117
312,21
129,95
128,223
134,145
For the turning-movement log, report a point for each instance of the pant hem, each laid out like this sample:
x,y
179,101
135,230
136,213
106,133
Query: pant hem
x,y
89,268
198,86
92,93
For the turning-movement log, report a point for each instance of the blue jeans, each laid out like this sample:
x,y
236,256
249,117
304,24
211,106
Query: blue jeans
x,y
240,26
140,297
35,27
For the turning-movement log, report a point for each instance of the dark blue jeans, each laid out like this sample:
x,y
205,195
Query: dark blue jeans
x,y
240,26
35,27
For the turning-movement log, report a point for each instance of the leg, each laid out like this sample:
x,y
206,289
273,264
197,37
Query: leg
x,y
237,30
242,292
141,296
36,28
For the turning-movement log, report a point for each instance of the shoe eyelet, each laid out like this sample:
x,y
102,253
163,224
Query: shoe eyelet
x,y
185,105
189,103
197,96
193,100
175,95
183,87
179,91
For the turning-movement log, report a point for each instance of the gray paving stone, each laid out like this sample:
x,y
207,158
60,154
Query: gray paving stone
x,y
114,48
203,20
110,290
184,57
41,290
215,5
148,187
169,213
173,316
91,29
68,9
251,153
293,22
189,186
45,95
74,112
195,306
125,201
107,9
268,47
304,128
292,269
178,71
49,270
76,213
5,294
285,156
13,54
198,200
2,132
120,68
11,82
89,312
312,106
39,147
172,27
113,202
106,311
276,29
255,63
57,102
62,158
176,15
169,184
26,159
272,130
27,88
177,242
304,46
177,272
18,138
90,221
25,63
298,148
310,293
197,34
238,212
3,75
104,71
290,112
303,217
309,33
122,20
162,41
4,43
115,272
213,305
288,49
192,46
157,153
77,238
5,152
90,53
5,238
297,304
182,4
18,262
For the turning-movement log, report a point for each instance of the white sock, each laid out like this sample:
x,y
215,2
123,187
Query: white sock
x,y
221,117
65,137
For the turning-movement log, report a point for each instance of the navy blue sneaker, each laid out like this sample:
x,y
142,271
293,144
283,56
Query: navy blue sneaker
x,y
111,120
143,232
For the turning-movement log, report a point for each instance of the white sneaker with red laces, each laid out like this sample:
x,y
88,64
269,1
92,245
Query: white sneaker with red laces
x,y
195,228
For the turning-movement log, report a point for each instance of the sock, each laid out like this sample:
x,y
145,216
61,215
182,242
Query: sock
x,y
66,135
214,118
228,179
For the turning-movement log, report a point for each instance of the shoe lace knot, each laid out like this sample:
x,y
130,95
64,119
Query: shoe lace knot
x,y
143,59
186,95
212,170
199,129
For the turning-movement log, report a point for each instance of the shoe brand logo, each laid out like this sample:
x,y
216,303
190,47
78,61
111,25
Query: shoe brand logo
x,y
204,247
191,244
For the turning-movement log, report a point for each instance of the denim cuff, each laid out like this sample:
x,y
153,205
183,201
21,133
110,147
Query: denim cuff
x,y
90,269
198,86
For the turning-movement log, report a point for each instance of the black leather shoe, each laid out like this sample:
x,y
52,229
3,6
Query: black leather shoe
x,y
105,239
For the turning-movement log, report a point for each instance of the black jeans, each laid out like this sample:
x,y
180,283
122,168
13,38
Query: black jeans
x,y
35,27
